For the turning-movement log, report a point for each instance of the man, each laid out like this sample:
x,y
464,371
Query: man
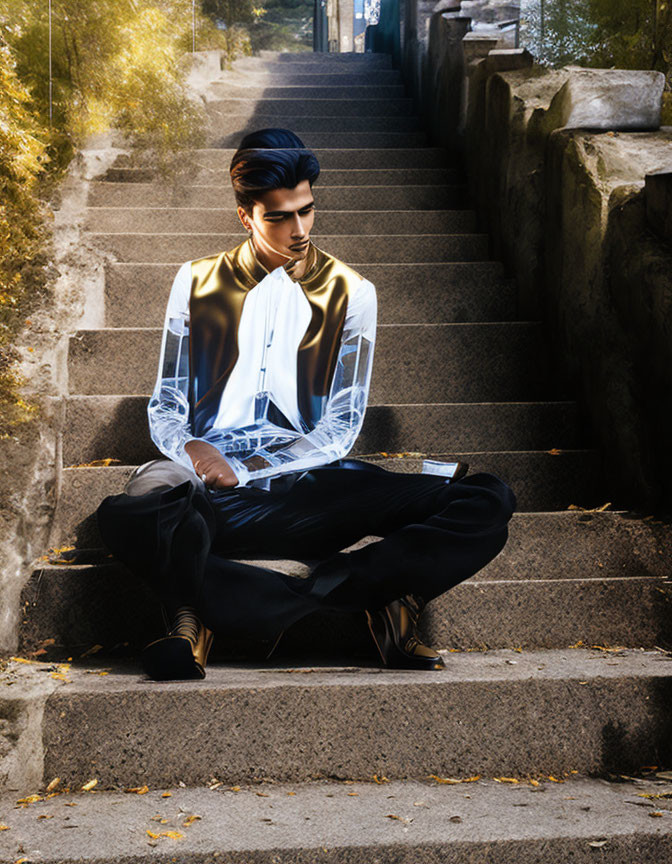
x,y
262,387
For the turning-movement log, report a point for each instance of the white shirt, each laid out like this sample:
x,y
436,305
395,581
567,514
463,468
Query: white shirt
x,y
274,319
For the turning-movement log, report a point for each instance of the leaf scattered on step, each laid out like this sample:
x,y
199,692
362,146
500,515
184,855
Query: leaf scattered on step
x,y
5,827
56,552
614,649
263,794
505,780
54,783
94,649
166,794
599,509
555,779
411,454
398,818
420,804
192,818
140,790
174,835
655,813
655,794
89,785
379,780
96,463
234,789
46,816
353,794
29,799
597,844
452,780
455,819
291,793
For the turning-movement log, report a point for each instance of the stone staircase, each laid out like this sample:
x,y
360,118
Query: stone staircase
x,y
556,669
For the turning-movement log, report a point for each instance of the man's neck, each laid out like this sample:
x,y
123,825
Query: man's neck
x,y
294,268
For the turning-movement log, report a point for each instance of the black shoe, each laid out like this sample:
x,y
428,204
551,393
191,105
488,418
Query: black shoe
x,y
394,630
183,652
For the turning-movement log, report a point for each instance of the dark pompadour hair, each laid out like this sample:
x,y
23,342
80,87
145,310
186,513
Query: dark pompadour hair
x,y
270,159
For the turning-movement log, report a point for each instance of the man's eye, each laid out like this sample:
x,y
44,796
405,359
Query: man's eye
x,y
304,212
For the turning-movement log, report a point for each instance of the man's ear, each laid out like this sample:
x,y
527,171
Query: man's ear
x,y
244,218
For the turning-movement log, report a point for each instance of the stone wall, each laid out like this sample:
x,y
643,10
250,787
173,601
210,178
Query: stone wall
x,y
557,163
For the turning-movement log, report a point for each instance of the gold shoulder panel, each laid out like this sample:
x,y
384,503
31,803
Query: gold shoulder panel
x,y
219,285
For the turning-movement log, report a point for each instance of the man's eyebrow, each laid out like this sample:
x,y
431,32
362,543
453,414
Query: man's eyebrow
x,y
285,212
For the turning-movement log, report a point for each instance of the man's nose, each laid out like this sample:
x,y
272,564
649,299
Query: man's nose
x,y
298,231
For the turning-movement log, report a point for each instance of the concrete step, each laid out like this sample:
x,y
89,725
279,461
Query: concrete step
x,y
412,363
328,157
73,608
211,176
541,480
400,821
398,109
200,220
332,136
300,76
370,58
337,90
343,198
546,713
306,67
115,427
442,292
331,59
352,249
225,122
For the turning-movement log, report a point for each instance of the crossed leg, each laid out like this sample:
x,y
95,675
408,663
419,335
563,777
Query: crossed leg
x,y
435,535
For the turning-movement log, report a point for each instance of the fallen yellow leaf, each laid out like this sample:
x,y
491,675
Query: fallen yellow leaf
x,y
190,819
89,785
452,780
30,799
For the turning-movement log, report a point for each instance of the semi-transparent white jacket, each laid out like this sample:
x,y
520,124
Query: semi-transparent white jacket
x,y
274,319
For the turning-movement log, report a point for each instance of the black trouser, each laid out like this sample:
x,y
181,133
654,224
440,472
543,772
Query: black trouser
x,y
181,537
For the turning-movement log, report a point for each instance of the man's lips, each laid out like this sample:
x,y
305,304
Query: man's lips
x,y
299,245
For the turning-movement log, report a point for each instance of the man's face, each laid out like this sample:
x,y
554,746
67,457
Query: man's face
x,y
282,220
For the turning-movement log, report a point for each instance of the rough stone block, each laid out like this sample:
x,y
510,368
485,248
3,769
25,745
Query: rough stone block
x,y
609,99
477,46
505,59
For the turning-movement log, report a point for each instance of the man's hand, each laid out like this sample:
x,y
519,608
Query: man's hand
x,y
208,461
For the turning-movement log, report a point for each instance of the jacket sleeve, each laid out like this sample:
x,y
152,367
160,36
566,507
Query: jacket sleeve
x,y
342,415
168,408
